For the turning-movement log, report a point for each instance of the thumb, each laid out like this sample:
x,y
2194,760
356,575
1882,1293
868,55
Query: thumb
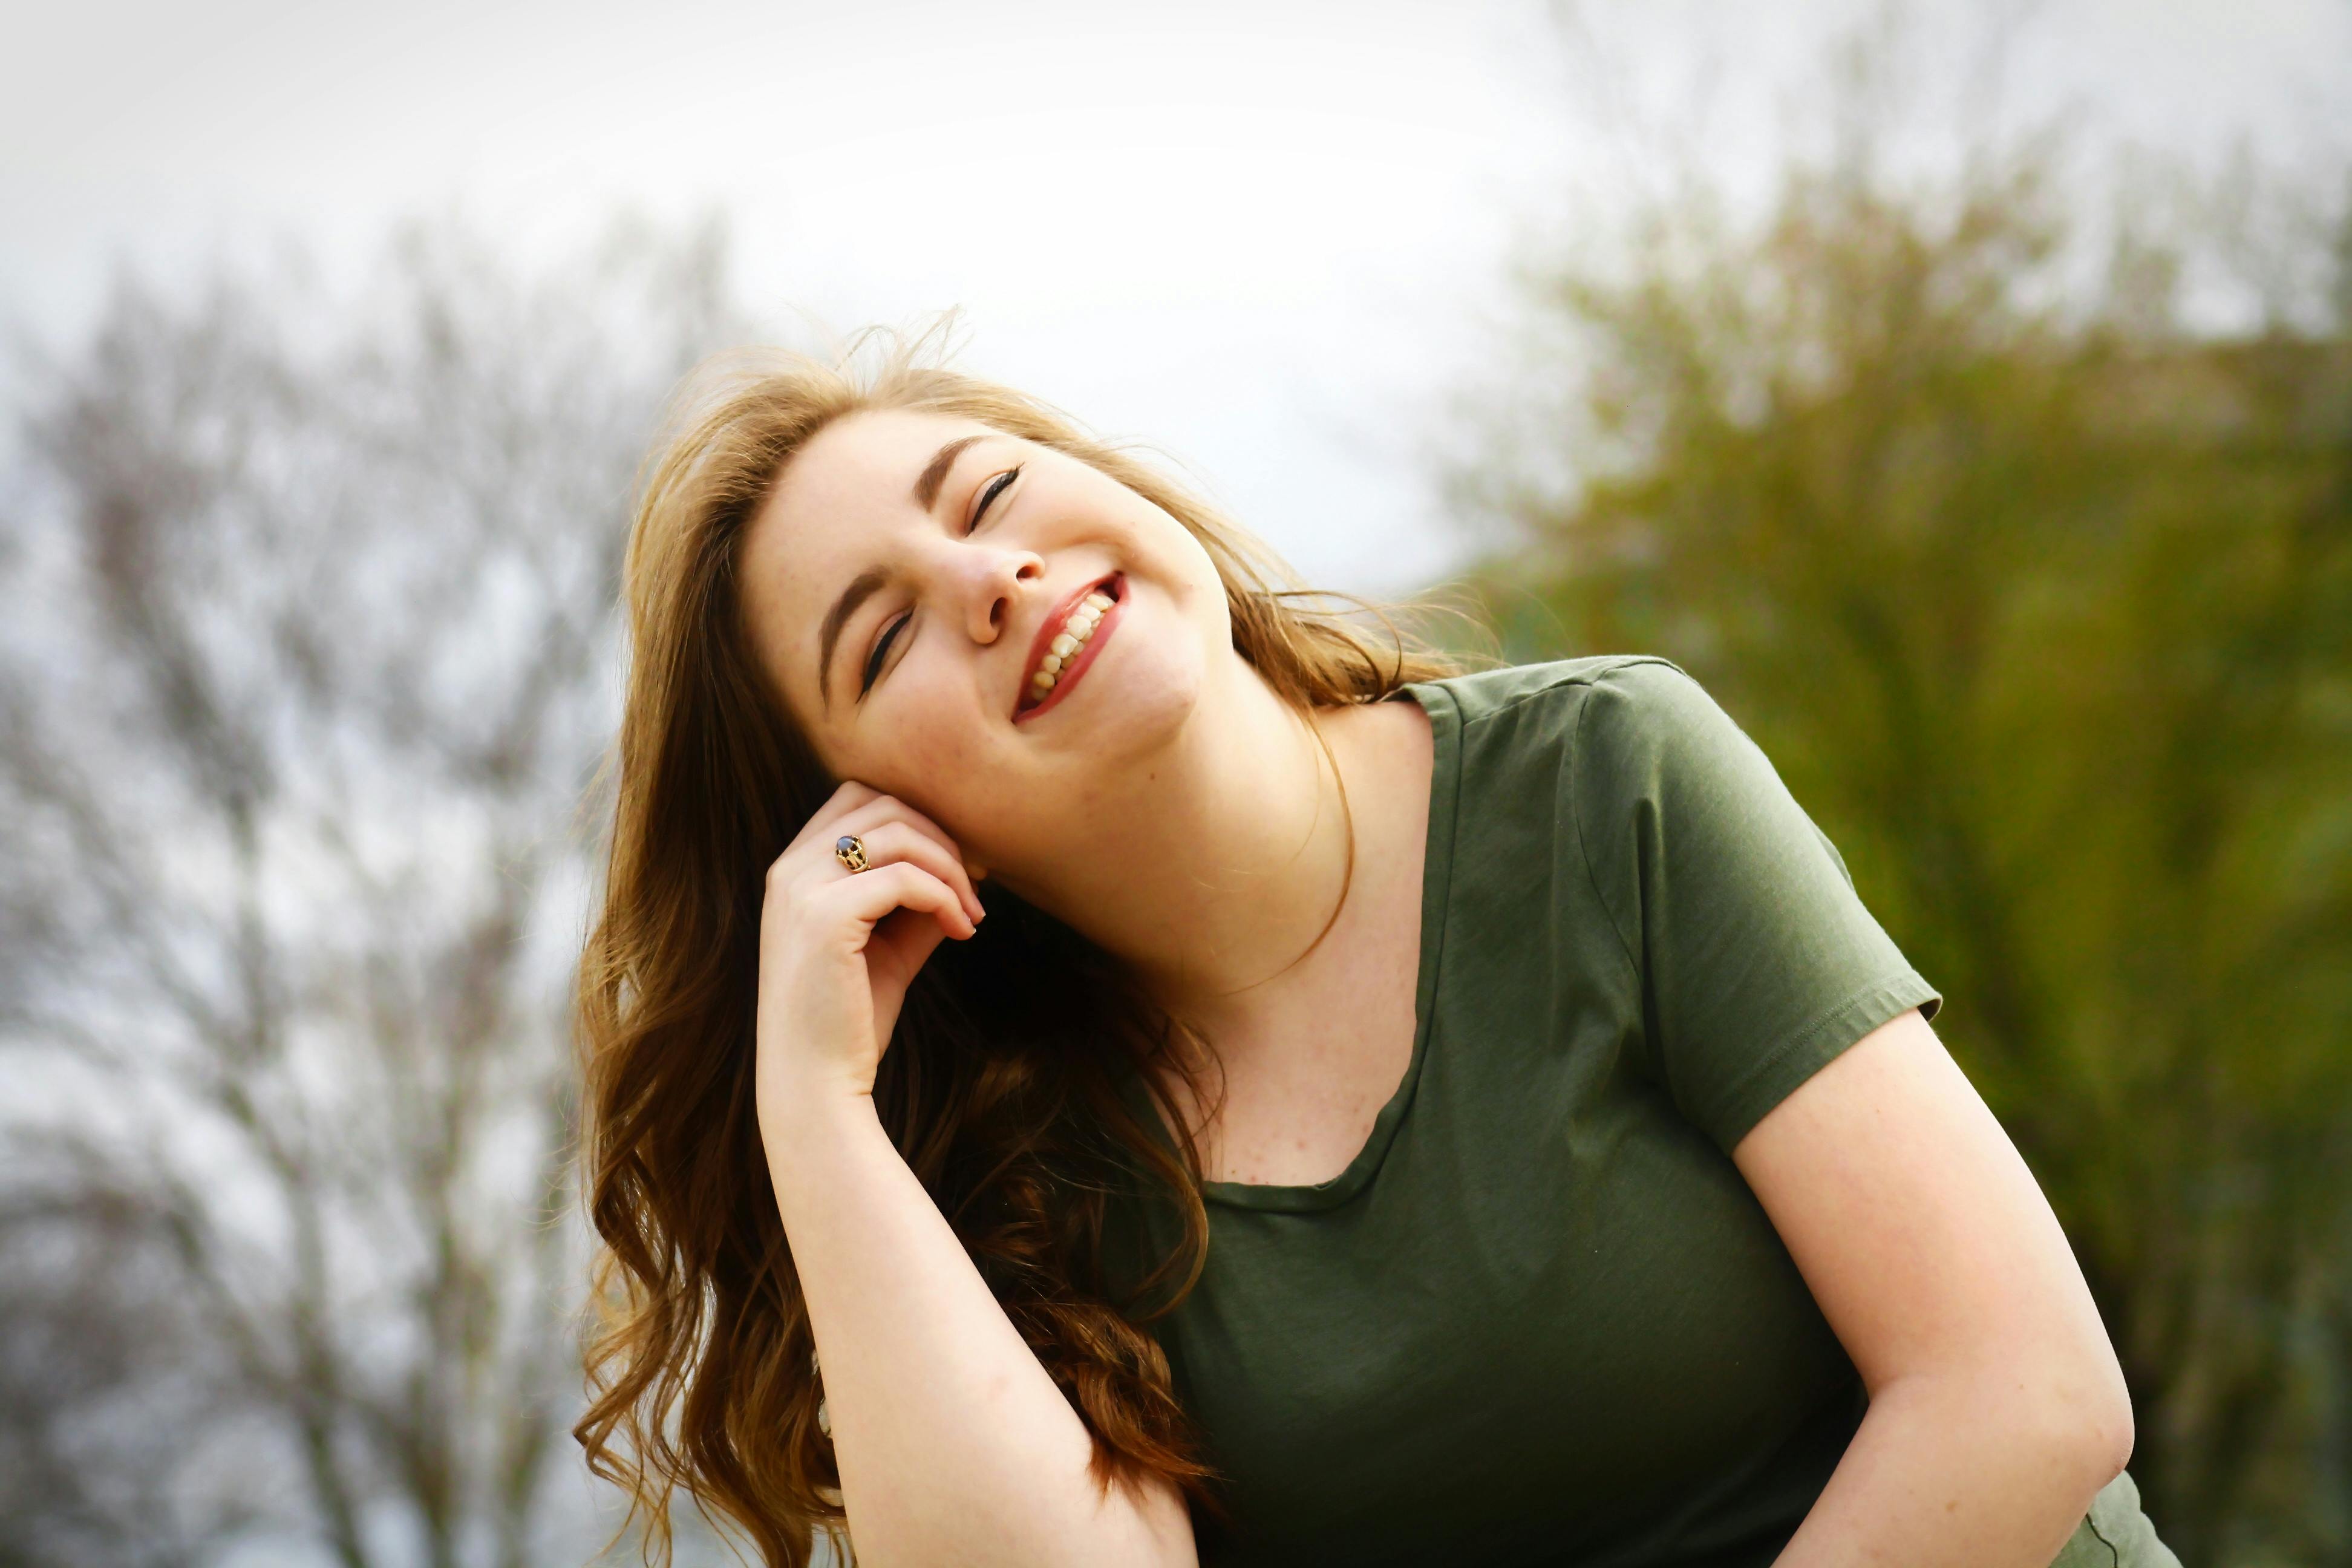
x,y
909,937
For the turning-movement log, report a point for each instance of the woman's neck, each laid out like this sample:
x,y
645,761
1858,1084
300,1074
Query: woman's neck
x,y
1214,866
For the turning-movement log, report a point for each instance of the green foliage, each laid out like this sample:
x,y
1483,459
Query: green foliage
x,y
2042,602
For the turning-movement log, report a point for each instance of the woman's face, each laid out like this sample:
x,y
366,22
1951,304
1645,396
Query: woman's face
x,y
897,584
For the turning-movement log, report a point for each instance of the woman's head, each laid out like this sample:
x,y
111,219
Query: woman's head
x,y
783,488
898,585
806,515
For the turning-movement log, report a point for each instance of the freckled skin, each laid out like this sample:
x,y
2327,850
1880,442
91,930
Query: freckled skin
x,y
935,729
1169,805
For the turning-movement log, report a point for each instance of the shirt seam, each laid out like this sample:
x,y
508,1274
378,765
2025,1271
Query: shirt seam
x,y
2115,1554
1573,678
1576,808
1804,1032
1813,1028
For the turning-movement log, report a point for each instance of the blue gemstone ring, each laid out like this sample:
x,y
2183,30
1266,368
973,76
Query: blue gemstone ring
x,y
850,850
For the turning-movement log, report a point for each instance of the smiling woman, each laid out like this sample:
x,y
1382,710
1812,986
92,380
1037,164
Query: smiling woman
x,y
1390,1114
840,591
951,629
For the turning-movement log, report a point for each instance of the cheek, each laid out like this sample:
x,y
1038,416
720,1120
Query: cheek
x,y
1193,582
943,750
934,758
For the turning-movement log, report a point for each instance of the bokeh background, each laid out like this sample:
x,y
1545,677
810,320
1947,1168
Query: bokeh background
x,y
1963,393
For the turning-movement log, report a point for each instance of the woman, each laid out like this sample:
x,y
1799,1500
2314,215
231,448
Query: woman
x,y
1091,1062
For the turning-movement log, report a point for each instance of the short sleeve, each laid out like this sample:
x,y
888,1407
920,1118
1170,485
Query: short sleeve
x,y
1758,961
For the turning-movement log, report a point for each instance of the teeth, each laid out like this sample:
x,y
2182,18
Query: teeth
x,y
1067,643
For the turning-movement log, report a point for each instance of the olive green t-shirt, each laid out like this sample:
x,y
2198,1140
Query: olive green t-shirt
x,y
1540,1319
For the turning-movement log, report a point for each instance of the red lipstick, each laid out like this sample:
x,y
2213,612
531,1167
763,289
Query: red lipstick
x,y
1114,588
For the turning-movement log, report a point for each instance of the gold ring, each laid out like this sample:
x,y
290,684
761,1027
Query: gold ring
x,y
850,850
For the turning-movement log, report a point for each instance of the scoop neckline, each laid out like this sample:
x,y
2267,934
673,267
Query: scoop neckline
x,y
1436,875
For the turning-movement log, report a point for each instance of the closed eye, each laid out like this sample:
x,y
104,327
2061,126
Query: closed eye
x,y
881,647
995,487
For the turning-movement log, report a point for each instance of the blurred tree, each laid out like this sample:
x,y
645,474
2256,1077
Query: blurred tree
x,y
313,668
98,1384
2039,595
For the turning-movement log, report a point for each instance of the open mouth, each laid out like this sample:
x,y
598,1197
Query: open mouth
x,y
1067,643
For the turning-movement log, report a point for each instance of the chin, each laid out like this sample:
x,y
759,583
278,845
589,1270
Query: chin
x,y
1150,704
1138,720
1138,697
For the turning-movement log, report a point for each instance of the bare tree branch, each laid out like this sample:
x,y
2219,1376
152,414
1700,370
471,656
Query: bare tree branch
x,y
291,765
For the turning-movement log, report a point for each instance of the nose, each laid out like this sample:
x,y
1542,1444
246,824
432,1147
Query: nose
x,y
997,579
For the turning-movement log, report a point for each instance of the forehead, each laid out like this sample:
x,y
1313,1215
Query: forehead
x,y
830,516
855,475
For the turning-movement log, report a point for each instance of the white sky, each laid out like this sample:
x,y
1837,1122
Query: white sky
x,y
1263,236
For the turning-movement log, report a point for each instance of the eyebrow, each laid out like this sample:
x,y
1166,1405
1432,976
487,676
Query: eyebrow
x,y
934,473
867,584
863,587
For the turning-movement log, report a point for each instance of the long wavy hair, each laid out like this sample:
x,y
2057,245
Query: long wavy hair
x,y
1005,1097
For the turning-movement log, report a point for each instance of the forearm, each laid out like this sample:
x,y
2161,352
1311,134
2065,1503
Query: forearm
x,y
1958,1472
954,1444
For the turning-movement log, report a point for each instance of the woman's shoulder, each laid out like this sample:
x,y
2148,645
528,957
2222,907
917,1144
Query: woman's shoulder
x,y
1595,735
1482,693
1624,705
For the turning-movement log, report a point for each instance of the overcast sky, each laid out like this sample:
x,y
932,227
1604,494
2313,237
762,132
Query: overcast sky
x,y
1269,236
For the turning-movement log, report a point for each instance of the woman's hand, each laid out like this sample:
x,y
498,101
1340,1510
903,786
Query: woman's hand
x,y
838,948
925,1375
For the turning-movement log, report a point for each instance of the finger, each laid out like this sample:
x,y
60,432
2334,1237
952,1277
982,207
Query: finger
x,y
890,808
915,944
870,895
849,796
818,834
893,841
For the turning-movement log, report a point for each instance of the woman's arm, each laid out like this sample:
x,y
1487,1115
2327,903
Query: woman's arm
x,y
953,1442
954,1445
1997,1407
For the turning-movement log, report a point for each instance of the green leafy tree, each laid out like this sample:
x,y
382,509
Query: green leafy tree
x,y
2041,599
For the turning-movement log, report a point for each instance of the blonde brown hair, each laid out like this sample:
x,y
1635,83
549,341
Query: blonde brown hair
x,y
1004,1097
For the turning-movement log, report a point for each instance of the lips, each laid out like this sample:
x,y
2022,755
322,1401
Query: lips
x,y
1113,587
